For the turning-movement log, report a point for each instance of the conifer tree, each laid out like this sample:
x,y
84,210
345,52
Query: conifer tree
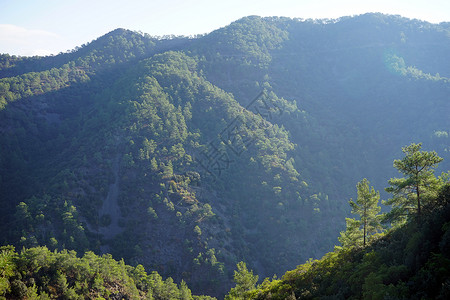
x,y
366,206
352,236
245,281
410,193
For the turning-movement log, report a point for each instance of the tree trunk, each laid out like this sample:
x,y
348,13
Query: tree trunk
x,y
418,201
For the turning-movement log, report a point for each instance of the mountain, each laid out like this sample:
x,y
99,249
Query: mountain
x,y
411,262
187,155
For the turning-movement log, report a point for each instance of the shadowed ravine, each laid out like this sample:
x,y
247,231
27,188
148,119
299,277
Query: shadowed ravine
x,y
110,208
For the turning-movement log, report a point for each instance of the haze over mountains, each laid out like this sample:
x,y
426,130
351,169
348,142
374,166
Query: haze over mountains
x,y
188,155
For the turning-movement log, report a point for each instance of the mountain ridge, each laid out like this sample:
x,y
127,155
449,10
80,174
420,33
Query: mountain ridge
x,y
243,144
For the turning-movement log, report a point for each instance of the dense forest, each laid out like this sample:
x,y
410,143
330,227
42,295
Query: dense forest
x,y
188,156
37,273
410,259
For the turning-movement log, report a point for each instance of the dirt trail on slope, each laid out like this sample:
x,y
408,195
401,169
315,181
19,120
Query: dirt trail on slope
x,y
111,207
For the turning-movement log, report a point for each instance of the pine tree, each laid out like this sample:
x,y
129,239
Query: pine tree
x,y
352,236
411,192
366,206
245,281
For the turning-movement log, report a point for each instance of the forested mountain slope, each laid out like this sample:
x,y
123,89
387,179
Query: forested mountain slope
x,y
411,262
188,155
364,82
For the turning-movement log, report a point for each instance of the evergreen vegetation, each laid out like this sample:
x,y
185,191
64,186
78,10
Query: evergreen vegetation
x,y
37,273
408,262
366,206
418,186
189,155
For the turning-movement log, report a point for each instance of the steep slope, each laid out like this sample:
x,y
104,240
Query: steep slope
x,y
55,91
364,82
188,155
411,262
197,173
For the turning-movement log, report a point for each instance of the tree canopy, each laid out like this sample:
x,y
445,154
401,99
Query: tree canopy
x,y
417,186
359,231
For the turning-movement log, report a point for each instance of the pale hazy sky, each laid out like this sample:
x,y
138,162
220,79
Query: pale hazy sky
x,y
42,27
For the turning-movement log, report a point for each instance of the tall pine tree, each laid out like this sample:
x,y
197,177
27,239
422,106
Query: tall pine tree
x,y
410,193
366,206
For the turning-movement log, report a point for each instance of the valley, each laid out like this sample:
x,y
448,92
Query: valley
x,y
188,155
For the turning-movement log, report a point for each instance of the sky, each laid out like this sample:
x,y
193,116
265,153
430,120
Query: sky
x,y
44,27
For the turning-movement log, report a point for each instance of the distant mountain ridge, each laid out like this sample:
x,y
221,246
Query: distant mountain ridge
x,y
242,144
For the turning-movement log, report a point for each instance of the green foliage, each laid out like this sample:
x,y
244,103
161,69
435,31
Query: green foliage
x,y
245,282
43,274
409,262
170,129
398,65
197,230
353,234
417,187
359,232
31,84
